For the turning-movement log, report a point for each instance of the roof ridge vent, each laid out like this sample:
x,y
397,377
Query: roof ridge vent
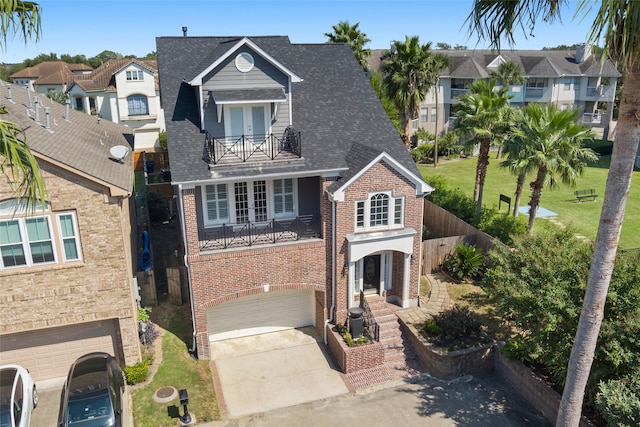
x,y
36,101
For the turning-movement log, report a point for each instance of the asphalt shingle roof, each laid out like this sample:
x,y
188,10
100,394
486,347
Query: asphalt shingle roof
x,y
334,107
81,143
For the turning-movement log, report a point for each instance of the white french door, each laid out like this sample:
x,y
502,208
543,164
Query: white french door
x,y
249,120
251,201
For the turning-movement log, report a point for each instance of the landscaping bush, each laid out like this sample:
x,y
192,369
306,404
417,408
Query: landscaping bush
x,y
619,402
422,153
136,373
349,340
467,262
454,329
502,226
601,146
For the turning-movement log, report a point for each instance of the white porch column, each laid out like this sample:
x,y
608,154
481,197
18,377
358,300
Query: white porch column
x,y
405,280
87,106
350,283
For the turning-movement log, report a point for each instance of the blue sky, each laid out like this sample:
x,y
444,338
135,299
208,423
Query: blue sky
x,y
130,27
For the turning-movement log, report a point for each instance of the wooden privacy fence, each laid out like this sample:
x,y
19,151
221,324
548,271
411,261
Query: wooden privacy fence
x,y
453,231
178,285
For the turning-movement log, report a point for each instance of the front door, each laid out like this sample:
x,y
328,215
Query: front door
x,y
251,201
371,274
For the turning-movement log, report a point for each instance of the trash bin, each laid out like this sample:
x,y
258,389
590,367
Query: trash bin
x,y
149,166
356,322
166,175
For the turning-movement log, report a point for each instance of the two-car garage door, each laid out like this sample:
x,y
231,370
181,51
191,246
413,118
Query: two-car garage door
x,y
48,353
261,313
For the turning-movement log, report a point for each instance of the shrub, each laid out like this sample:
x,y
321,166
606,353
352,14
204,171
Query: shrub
x,y
618,402
455,328
136,373
502,226
466,262
348,339
143,314
422,153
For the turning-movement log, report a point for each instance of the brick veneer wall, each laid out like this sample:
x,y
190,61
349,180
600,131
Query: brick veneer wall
x,y
99,287
353,359
221,276
381,177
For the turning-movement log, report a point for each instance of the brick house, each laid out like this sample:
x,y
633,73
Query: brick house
x,y
295,192
66,273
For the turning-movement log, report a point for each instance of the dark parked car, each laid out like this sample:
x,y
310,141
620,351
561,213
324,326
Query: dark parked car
x,y
92,394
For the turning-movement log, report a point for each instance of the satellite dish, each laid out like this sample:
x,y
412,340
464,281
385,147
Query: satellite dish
x,y
119,152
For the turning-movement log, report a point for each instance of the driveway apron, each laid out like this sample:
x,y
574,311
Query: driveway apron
x,y
276,370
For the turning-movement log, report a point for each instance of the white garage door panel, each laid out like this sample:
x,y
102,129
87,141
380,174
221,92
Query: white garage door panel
x,y
261,313
48,353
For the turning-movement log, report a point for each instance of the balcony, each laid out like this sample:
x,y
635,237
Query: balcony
x,y
228,236
253,148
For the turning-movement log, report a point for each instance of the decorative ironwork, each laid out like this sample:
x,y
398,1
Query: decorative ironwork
x,y
259,233
255,147
371,327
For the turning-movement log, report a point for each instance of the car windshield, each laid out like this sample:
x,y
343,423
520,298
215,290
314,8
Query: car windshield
x,y
90,410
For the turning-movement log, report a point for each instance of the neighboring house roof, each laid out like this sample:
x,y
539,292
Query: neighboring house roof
x,y
333,107
50,73
535,63
103,77
81,143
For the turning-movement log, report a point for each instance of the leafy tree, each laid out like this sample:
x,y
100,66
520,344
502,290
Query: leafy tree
x,y
151,55
483,115
617,23
387,103
460,47
538,284
343,32
443,46
554,139
103,57
408,73
57,96
16,160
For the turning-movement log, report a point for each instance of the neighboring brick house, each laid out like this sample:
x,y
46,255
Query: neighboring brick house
x,y
66,274
48,76
123,91
575,79
294,189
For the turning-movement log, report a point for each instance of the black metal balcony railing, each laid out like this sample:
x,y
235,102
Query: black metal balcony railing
x,y
262,233
254,147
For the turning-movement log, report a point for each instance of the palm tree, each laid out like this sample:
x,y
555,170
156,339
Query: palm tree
x,y
407,74
508,72
17,163
554,148
483,115
517,161
440,63
617,22
343,32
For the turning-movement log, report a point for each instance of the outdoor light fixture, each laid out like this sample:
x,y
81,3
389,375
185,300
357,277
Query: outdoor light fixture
x,y
184,401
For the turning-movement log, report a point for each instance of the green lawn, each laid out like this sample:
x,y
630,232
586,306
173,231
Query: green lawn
x,y
583,216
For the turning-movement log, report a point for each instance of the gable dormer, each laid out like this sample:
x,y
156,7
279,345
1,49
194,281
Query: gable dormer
x,y
493,65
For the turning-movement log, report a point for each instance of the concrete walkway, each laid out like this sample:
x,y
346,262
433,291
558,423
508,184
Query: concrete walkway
x,y
438,301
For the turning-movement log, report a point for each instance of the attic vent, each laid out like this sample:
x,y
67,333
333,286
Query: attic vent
x,y
244,62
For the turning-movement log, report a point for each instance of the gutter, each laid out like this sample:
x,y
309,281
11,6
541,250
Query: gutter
x,y
333,269
193,348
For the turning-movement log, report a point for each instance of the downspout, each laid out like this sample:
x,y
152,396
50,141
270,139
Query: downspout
x,y
333,268
192,350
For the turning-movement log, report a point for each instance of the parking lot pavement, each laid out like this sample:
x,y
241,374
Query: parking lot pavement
x,y
470,401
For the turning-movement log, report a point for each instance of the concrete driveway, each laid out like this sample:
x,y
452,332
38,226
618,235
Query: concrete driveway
x,y
264,372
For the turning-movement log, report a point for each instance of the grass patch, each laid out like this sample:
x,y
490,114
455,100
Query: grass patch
x,y
583,216
178,369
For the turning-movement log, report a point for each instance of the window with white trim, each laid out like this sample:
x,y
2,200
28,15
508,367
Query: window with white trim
x,y
28,241
138,105
381,210
135,75
216,204
283,197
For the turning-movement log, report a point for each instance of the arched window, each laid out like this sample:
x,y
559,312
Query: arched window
x,y
138,105
380,210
